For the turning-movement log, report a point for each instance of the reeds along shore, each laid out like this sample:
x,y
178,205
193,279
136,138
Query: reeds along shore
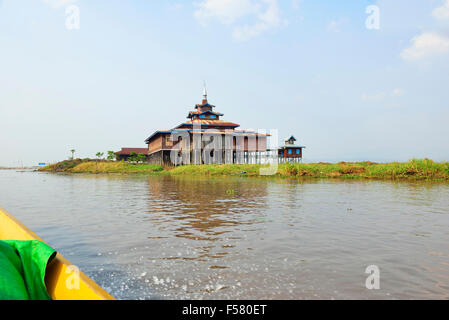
x,y
414,169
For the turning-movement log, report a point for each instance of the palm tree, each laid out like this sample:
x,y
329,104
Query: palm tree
x,y
111,155
99,156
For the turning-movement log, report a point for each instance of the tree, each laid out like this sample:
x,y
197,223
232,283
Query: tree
x,y
73,153
141,157
111,155
100,155
132,157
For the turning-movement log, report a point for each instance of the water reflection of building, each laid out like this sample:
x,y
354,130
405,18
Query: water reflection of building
x,y
198,215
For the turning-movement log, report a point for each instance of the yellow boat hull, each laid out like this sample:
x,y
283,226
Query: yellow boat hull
x,y
64,281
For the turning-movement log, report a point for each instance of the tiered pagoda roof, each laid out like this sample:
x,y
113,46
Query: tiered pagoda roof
x,y
209,123
198,113
208,119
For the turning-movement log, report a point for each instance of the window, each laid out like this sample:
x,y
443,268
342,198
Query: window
x,y
289,151
212,116
168,141
202,116
297,151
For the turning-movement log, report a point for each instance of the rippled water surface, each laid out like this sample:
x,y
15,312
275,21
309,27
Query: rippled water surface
x,y
162,237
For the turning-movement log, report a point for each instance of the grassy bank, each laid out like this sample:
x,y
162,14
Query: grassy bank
x,y
414,169
101,166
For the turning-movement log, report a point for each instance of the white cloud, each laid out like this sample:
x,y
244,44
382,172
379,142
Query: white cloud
x,y
429,44
425,45
442,13
265,14
225,11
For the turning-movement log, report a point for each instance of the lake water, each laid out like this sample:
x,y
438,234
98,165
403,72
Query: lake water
x,y
162,237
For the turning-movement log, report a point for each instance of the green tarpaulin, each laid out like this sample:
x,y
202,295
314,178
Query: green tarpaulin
x,y
22,270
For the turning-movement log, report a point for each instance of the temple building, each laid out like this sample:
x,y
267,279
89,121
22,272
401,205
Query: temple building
x,y
290,152
204,139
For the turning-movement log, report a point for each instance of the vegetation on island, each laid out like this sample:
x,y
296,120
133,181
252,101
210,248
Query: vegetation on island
x,y
415,169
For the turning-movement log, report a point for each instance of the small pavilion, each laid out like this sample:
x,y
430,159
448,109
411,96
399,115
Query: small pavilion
x,y
290,151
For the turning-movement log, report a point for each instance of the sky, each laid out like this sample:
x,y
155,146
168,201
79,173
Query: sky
x,y
351,80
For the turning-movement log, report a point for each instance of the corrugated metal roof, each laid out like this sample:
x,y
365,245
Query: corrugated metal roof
x,y
155,134
228,132
290,146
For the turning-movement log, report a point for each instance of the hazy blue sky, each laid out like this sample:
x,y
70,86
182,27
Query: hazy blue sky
x,y
308,68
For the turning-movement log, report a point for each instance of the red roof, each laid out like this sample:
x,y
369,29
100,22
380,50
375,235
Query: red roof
x,y
211,123
127,151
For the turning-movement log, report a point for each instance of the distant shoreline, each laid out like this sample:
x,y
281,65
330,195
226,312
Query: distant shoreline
x,y
18,168
412,170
